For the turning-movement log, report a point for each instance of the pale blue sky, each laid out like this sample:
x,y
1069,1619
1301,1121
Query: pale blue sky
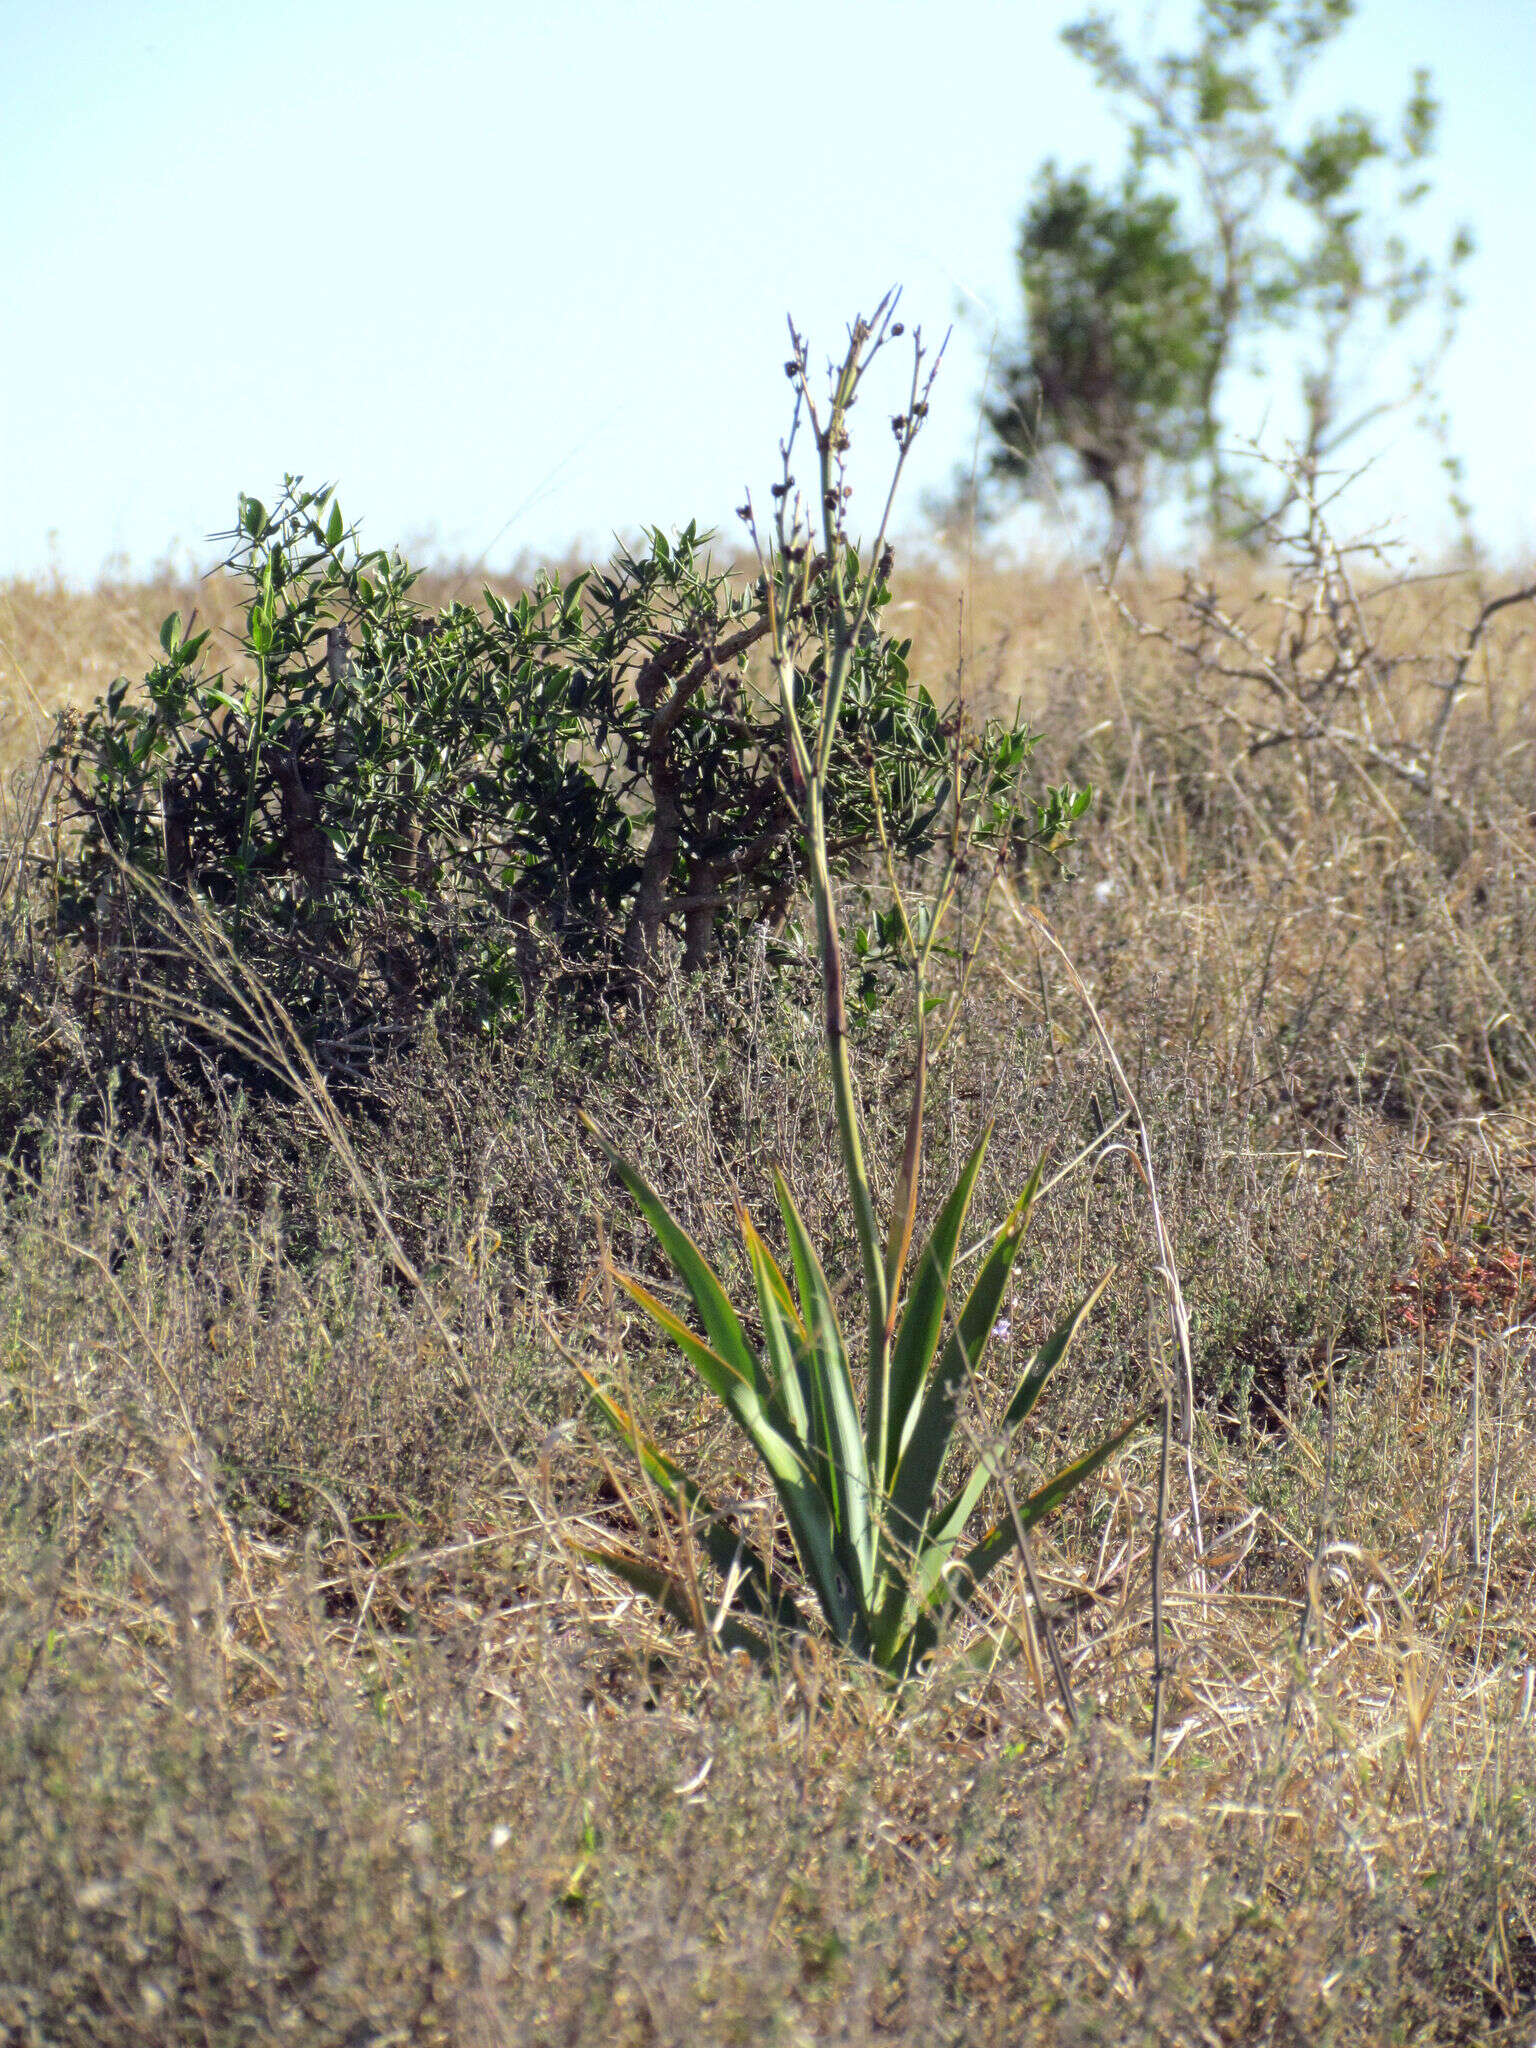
x,y
517,275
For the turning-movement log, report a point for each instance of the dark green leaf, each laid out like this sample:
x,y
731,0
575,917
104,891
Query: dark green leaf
x,y
922,1319
673,1597
931,1421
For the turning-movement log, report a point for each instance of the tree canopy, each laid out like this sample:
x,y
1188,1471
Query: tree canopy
x,y
1236,221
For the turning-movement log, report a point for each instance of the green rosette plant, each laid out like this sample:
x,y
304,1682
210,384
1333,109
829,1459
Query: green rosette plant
x,y
879,1522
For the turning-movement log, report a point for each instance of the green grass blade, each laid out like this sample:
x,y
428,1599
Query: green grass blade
x,y
673,1598
836,1433
1049,1355
882,1336
786,1301
720,1320
960,1586
948,1524
784,1335
730,1553
986,1555
917,1337
904,1195
912,1574
932,1421
947,1528
772,1437
727,1381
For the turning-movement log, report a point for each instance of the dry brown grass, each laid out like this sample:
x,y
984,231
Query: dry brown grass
x,y
313,1727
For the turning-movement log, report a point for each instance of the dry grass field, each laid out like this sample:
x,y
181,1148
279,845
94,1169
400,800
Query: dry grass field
x,y
314,1726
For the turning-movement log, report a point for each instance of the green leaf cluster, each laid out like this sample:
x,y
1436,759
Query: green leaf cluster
x,y
389,806
880,1537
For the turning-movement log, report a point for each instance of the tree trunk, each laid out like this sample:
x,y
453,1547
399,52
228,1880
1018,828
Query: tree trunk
x,y
310,853
642,935
699,929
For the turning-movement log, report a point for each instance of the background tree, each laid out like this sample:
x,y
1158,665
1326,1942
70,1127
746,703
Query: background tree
x,y
1113,369
1297,228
